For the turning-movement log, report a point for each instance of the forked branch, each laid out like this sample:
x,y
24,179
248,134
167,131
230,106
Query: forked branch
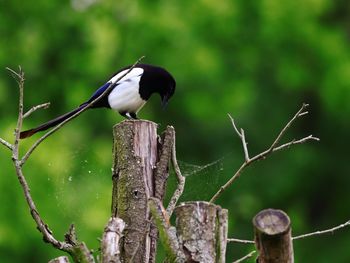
x,y
42,227
273,148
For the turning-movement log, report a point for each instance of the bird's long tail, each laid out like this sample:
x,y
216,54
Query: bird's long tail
x,y
51,123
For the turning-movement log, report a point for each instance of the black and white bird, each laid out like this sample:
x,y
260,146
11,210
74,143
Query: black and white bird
x,y
127,95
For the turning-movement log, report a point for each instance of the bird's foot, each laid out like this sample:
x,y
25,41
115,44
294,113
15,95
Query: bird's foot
x,y
129,115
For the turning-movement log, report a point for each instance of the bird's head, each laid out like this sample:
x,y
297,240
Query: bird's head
x,y
167,91
157,80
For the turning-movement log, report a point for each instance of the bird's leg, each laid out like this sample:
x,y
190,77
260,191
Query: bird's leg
x,y
129,115
124,114
133,115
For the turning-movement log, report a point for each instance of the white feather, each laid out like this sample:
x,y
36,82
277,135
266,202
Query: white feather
x,y
125,97
135,72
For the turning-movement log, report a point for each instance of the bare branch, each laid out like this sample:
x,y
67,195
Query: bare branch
x,y
6,144
241,241
228,183
273,148
20,80
234,126
37,107
180,179
281,147
316,233
167,233
245,257
242,136
40,140
245,148
294,142
299,113
42,227
17,76
327,231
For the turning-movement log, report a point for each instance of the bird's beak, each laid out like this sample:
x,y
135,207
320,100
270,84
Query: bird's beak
x,y
165,101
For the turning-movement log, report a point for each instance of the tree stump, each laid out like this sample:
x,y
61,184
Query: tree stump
x,y
273,237
135,157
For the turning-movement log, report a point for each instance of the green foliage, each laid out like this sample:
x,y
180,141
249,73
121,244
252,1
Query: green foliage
x,y
258,60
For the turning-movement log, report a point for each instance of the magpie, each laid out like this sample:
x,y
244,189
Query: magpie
x,y
127,95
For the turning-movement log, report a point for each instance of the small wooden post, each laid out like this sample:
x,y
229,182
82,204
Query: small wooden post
x,y
135,157
273,237
202,231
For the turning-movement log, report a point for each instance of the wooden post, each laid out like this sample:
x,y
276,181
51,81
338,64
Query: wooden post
x,y
202,231
273,237
135,157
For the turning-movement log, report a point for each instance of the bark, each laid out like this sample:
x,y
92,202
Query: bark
x,y
79,251
110,252
202,231
273,237
161,175
167,232
135,157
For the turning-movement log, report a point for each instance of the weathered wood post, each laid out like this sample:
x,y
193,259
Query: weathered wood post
x,y
135,157
273,237
140,171
202,231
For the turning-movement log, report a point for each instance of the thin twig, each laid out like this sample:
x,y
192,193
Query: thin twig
x,y
316,233
245,148
245,257
234,125
273,148
15,75
242,136
180,179
282,147
40,140
228,183
35,108
294,142
20,80
6,144
327,231
299,113
241,241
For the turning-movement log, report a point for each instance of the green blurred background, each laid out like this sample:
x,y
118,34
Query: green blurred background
x,y
258,60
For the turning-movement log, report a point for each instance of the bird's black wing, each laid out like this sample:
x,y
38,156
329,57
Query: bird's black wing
x,y
103,102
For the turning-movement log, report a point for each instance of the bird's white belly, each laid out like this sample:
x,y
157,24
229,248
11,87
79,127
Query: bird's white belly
x,y
126,97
